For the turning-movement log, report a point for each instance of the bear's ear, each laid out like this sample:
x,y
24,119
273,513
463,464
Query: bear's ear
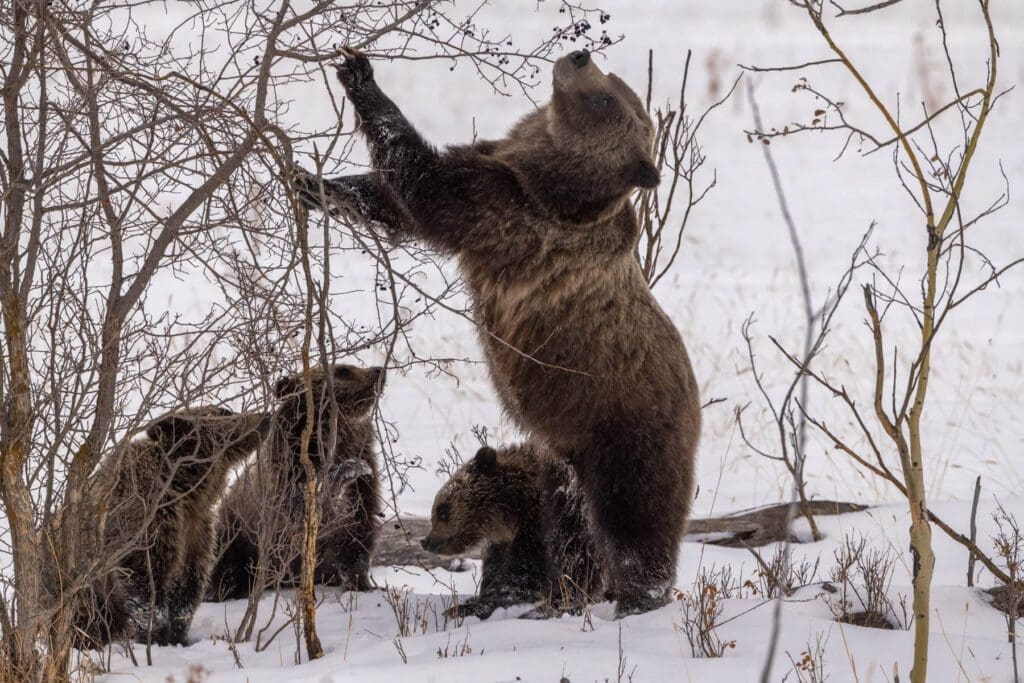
x,y
644,174
285,387
486,460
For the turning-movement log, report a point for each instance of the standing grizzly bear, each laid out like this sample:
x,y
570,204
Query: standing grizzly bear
x,y
582,355
531,513
261,516
159,493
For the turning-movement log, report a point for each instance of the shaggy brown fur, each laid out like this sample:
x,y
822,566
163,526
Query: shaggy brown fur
x,y
160,493
582,355
261,517
529,512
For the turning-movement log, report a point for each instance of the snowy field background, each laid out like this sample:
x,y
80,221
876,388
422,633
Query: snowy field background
x,y
736,261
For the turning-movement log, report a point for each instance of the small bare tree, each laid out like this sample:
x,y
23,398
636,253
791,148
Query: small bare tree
x,y
935,177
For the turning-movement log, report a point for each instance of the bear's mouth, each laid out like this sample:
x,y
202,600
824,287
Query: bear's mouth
x,y
441,546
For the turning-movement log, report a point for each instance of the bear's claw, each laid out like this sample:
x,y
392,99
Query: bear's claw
x,y
355,71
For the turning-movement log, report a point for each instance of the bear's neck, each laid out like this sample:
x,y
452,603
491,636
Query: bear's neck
x,y
520,502
571,189
566,183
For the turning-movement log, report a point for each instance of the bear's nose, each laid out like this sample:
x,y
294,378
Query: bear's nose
x,y
579,58
425,544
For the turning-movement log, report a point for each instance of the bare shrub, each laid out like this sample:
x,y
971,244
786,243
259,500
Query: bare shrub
x,y
459,648
809,667
779,575
1009,597
864,576
702,611
665,210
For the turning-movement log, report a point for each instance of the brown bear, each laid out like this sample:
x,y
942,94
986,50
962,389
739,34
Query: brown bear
x,y
260,520
531,514
582,355
159,493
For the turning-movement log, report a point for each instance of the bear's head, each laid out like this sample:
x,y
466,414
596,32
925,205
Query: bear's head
x,y
473,506
597,118
204,435
343,395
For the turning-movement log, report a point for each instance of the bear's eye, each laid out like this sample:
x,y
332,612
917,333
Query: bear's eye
x,y
602,100
442,512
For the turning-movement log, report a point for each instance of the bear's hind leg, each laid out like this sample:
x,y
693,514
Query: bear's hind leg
x,y
233,571
187,589
639,505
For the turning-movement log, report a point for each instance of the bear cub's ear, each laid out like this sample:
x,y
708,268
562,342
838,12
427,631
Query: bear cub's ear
x,y
644,174
486,460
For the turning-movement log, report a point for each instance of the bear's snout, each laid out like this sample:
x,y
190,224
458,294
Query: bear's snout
x,y
579,58
438,546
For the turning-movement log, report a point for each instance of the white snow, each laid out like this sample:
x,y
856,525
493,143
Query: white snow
x,y
736,261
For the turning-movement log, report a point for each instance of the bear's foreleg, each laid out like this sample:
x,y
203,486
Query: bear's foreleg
x,y
236,557
452,199
360,199
514,573
345,559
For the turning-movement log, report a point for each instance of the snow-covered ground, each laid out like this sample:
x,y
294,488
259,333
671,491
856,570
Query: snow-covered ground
x,y
736,261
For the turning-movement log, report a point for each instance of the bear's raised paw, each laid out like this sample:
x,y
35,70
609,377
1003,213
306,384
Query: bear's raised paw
x,y
356,71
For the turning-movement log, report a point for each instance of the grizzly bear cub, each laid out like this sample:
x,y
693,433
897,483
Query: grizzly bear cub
x,y
159,493
531,515
583,357
260,520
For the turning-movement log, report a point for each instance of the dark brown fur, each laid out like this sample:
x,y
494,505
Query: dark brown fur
x,y
581,353
530,514
159,495
261,516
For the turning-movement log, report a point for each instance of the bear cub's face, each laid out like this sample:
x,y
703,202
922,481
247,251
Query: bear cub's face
x,y
344,392
467,509
600,115
208,434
